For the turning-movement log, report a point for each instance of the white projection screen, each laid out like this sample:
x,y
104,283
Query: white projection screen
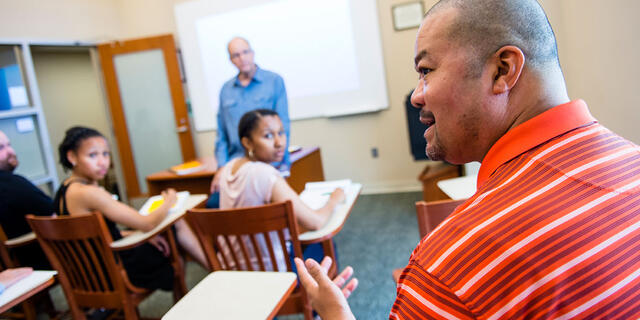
x,y
328,52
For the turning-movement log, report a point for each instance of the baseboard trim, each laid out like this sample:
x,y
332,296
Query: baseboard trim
x,y
391,187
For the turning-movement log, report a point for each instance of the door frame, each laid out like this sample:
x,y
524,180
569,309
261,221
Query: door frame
x,y
107,52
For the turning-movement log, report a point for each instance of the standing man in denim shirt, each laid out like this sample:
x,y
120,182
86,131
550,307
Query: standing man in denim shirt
x,y
253,88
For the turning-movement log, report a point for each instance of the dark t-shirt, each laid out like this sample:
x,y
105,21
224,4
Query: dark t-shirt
x,y
19,197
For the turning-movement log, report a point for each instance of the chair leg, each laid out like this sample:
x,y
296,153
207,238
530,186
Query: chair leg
x,y
29,310
77,313
307,311
179,283
328,248
308,314
179,288
130,312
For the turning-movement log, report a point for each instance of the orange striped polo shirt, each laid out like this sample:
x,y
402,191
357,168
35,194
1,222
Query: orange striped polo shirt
x,y
553,230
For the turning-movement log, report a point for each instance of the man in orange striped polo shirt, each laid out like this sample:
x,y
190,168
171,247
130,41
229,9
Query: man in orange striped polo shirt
x,y
553,230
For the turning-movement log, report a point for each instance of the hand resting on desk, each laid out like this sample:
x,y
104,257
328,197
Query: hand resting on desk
x,y
308,218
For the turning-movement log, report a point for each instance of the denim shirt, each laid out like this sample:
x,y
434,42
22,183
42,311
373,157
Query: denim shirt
x,y
265,91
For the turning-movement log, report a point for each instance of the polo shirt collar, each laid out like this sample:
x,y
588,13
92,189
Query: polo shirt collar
x,y
258,76
533,132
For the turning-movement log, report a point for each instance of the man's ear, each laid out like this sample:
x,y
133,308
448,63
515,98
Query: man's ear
x,y
509,66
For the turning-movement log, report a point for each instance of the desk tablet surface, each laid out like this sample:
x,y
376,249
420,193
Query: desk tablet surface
x,y
337,219
459,188
235,295
25,285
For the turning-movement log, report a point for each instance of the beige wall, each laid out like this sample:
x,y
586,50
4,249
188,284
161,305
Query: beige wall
x,y
597,50
600,56
59,20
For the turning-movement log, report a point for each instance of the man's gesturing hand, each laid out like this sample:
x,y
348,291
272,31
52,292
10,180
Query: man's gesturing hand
x,y
328,298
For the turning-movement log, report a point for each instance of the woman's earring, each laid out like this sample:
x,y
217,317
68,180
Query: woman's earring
x,y
73,164
250,154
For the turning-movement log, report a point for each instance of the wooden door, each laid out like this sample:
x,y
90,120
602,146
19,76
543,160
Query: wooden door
x,y
148,109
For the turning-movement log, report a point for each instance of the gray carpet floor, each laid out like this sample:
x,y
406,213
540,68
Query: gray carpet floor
x,y
379,236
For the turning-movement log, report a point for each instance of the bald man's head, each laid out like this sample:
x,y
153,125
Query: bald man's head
x,y
237,42
487,25
8,158
241,55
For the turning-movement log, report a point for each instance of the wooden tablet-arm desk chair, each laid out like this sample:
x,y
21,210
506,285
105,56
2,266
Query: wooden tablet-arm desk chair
x,y
231,240
8,260
89,271
430,215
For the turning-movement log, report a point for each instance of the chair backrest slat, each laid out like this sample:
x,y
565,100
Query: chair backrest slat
x,y
76,266
218,242
283,245
230,242
83,264
258,251
100,268
245,252
272,254
60,249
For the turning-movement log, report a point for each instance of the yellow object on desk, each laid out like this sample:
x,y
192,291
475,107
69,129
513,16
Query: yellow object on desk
x,y
187,167
155,202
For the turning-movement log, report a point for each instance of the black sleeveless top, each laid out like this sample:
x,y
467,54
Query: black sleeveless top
x,y
146,266
60,207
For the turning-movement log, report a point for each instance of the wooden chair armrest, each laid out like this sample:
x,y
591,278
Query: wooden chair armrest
x,y
21,240
130,286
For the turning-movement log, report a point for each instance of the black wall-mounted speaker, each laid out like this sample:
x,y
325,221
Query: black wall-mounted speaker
x,y
416,130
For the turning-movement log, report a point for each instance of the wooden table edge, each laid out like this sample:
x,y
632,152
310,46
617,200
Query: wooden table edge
x,y
284,297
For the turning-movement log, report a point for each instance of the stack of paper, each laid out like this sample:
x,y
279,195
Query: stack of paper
x,y
155,202
316,194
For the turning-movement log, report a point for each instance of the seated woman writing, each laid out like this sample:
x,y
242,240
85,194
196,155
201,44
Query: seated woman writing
x,y
86,153
252,181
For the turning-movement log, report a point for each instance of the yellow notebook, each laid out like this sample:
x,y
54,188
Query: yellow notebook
x,y
187,167
155,202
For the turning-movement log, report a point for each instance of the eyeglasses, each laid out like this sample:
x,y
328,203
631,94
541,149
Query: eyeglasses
x,y
241,53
